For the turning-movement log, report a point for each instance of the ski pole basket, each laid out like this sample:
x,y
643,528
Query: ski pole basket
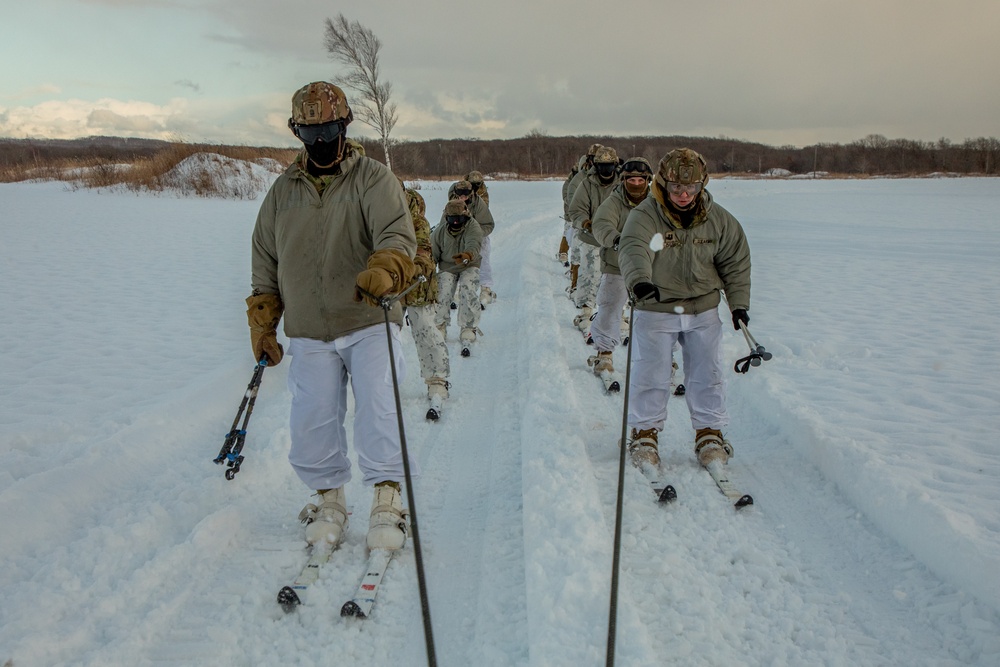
x,y
232,449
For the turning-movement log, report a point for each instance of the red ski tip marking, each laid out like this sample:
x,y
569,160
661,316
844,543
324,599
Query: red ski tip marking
x,y
368,587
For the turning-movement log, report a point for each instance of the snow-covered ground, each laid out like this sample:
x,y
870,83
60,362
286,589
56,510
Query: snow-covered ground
x,y
868,442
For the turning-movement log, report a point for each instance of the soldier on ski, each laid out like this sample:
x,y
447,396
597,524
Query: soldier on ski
x,y
478,183
486,293
609,219
569,190
333,224
678,292
455,244
595,187
421,311
480,210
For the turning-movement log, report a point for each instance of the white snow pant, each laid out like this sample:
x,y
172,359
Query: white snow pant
x,y
606,329
466,284
589,276
568,233
700,338
485,268
318,380
431,349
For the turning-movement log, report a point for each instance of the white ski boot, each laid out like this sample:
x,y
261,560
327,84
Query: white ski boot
x,y
328,521
387,526
582,320
486,296
710,446
642,445
468,337
437,393
603,368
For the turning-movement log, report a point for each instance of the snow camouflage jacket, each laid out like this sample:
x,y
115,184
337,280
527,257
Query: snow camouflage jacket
x,y
694,264
609,219
479,210
588,196
425,293
445,246
309,248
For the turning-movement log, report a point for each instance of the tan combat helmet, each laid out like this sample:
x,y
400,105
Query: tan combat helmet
x,y
456,207
682,165
605,155
319,102
475,178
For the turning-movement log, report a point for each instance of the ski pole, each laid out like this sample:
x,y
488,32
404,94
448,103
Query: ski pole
x,y
232,448
613,608
754,345
757,352
386,304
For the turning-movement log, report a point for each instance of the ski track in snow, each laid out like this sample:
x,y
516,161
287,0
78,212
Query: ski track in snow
x,y
124,545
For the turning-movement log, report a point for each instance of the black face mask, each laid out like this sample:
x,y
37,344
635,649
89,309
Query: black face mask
x,y
605,170
325,155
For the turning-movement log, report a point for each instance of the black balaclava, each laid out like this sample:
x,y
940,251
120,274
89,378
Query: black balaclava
x,y
325,158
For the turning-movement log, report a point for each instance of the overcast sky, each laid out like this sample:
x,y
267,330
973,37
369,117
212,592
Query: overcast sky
x,y
780,72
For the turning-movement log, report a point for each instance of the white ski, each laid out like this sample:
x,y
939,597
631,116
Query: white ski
x,y
611,380
364,599
665,493
436,406
717,469
290,597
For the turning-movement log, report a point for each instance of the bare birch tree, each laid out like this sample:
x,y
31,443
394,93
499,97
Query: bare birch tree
x,y
358,48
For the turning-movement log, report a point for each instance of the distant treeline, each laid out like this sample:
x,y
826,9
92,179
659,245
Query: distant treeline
x,y
545,156
539,156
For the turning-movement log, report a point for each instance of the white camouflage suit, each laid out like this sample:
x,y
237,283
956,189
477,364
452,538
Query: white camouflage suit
x,y
421,303
458,282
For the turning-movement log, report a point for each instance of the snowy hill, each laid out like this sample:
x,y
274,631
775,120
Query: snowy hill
x,y
868,442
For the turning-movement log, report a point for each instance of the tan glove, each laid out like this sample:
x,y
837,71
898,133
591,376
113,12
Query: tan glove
x,y
263,314
462,258
587,225
388,271
425,265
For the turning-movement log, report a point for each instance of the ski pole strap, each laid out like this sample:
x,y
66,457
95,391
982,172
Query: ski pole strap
x,y
387,301
743,365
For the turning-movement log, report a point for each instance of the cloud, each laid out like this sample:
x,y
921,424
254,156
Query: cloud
x,y
44,89
67,119
186,83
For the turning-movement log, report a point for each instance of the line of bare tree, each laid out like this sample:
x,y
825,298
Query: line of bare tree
x,y
539,156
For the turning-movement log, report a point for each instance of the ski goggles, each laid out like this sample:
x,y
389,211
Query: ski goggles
x,y
456,220
683,188
636,168
463,193
605,168
310,134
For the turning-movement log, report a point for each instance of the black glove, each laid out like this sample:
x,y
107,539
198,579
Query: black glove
x,y
642,291
740,315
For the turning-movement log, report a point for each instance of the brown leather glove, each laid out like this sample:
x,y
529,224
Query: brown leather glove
x,y
587,225
263,314
425,265
462,258
388,271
